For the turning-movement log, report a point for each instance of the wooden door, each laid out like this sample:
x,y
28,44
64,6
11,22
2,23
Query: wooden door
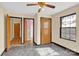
x,y
17,39
17,30
45,30
8,33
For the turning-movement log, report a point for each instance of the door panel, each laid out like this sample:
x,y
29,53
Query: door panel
x,y
17,39
8,33
17,30
45,30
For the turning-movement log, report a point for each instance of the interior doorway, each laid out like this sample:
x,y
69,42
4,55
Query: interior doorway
x,y
45,30
14,26
28,30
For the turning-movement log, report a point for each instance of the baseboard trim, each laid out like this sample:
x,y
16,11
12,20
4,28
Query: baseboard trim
x,y
65,47
36,43
4,51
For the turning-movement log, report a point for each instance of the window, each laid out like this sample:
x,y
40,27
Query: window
x,y
68,27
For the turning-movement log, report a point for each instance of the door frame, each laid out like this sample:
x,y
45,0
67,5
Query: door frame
x,y
9,28
21,24
24,27
50,29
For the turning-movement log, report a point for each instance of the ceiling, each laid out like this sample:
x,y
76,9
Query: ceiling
x,y
20,7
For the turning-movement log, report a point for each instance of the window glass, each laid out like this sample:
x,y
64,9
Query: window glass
x,y
68,27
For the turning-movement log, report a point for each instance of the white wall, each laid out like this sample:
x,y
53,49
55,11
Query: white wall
x,y
36,30
2,30
3,14
56,29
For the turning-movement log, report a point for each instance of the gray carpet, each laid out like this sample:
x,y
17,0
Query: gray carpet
x,y
42,50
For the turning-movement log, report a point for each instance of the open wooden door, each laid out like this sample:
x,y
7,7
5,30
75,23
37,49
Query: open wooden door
x,y
25,32
8,33
45,30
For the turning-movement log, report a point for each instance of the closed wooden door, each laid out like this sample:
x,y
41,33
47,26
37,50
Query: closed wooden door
x,y
45,30
17,30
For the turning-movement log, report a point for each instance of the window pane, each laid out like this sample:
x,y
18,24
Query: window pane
x,y
63,22
63,33
73,21
73,34
68,21
67,32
